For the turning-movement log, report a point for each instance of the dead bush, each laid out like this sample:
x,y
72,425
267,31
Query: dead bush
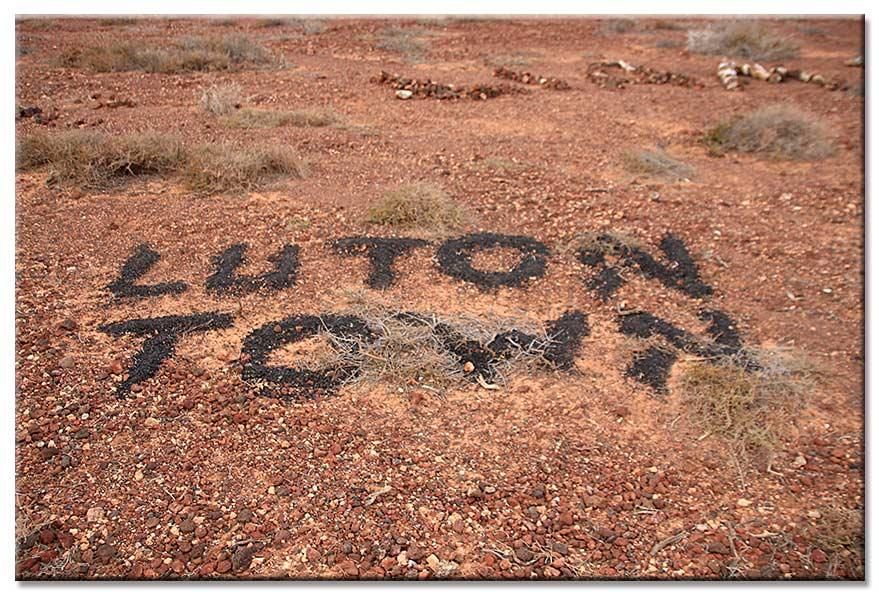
x,y
658,163
751,409
221,99
186,55
778,131
741,39
421,206
410,352
255,118
212,169
89,159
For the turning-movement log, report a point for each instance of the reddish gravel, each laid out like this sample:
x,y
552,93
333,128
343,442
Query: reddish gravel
x,y
556,475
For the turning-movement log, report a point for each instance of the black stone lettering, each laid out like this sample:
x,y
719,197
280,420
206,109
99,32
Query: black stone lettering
x,y
382,252
681,274
287,382
161,335
134,268
455,255
225,280
653,365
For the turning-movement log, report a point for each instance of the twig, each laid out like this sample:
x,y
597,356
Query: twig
x,y
370,499
667,542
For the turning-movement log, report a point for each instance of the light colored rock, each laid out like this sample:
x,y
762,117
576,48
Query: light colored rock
x,y
403,94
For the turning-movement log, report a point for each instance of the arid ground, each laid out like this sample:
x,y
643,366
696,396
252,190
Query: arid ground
x,y
236,446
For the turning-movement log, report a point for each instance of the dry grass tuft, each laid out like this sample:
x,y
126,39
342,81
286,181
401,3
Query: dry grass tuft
x,y
212,169
89,159
255,118
777,131
750,410
657,163
186,55
420,206
221,99
741,39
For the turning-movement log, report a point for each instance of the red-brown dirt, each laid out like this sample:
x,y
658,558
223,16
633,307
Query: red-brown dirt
x,y
555,475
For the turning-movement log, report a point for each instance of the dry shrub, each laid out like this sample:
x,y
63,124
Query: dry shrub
x,y
778,131
840,533
751,409
610,242
211,169
186,55
89,159
221,99
410,354
658,163
420,206
746,40
254,118
94,160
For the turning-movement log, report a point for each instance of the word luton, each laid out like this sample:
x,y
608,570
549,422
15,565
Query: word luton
x,y
609,259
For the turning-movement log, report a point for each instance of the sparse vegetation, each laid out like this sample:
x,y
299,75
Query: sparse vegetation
x,y
95,160
256,118
409,43
89,159
668,43
514,60
117,21
501,164
751,410
617,26
186,55
311,26
840,532
221,99
270,23
421,206
777,131
657,163
212,169
741,39
667,25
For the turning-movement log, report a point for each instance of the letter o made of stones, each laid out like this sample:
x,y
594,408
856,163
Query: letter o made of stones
x,y
455,259
286,381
